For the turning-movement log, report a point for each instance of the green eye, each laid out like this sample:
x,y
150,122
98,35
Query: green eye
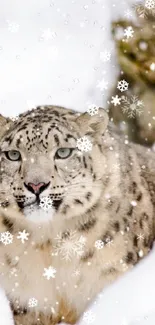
x,y
63,153
13,155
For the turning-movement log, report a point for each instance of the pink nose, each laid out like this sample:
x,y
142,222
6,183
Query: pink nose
x,y
36,187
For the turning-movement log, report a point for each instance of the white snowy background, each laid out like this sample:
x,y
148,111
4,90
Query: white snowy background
x,y
61,52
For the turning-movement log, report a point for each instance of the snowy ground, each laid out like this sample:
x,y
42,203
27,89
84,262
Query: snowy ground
x,y
55,52
131,300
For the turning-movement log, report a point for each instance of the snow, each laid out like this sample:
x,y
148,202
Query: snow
x,y
84,144
49,273
130,300
5,313
23,235
6,238
61,52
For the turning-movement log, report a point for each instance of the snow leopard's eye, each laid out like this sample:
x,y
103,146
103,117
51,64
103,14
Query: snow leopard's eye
x,y
13,155
63,153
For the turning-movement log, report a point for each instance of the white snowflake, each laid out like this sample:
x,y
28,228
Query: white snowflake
x,y
32,302
143,45
89,317
76,273
99,244
46,203
132,106
128,13
116,100
84,144
103,84
133,203
47,34
140,237
49,272
13,27
23,235
70,245
150,4
115,167
105,56
128,32
122,85
6,238
92,109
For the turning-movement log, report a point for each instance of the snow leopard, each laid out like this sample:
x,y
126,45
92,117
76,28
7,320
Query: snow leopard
x,y
77,205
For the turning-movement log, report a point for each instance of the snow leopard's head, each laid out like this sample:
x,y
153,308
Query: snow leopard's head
x,y
52,162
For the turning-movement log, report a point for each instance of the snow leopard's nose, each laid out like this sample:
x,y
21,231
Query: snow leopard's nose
x,y
37,188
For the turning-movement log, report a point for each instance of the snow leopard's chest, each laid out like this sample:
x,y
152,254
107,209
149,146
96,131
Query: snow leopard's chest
x,y
34,273
34,278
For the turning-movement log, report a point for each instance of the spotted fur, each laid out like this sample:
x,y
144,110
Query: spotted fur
x,y
103,196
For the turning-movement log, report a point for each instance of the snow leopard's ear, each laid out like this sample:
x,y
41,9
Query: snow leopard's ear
x,y
5,124
94,124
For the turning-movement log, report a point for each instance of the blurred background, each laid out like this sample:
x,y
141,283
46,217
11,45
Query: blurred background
x,y
132,105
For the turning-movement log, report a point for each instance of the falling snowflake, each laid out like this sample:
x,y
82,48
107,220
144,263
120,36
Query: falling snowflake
x,y
69,246
133,203
99,244
128,32
150,4
122,85
116,100
92,109
47,34
49,273
76,273
140,237
143,46
32,302
128,13
13,27
132,106
23,235
84,144
89,317
6,238
105,56
46,203
116,167
102,84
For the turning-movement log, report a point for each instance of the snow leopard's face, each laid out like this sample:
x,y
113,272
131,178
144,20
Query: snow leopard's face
x,y
44,170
